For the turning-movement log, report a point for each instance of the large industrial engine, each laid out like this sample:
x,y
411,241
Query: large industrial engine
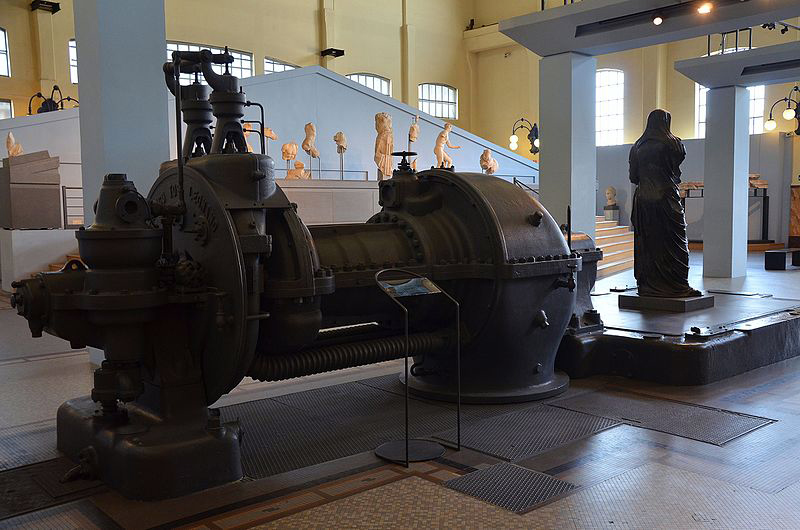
x,y
213,277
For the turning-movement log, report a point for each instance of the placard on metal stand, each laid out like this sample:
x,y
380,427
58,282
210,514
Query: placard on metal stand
x,y
406,284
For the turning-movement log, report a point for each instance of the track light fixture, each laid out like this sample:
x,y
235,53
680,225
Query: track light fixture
x,y
705,8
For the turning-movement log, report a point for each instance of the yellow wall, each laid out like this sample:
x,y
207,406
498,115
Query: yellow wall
x,y
407,41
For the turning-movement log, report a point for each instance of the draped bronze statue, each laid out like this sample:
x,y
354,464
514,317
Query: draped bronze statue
x,y
661,253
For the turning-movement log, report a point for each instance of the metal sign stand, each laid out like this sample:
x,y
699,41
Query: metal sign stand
x,y
403,285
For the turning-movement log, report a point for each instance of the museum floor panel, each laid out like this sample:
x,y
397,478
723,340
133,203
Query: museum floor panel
x,y
611,452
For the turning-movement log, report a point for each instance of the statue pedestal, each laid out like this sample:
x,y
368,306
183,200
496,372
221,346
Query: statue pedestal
x,y
674,305
611,213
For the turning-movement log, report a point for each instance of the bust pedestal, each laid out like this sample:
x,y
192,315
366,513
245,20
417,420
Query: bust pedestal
x,y
611,212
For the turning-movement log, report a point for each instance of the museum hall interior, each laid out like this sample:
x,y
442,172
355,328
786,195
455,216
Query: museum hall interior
x,y
399,264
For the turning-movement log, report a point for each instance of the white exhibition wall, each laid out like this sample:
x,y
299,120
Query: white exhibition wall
x,y
334,103
770,157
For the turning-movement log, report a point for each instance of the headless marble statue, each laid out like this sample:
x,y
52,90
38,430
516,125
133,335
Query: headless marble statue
x,y
14,149
488,163
309,142
384,144
661,253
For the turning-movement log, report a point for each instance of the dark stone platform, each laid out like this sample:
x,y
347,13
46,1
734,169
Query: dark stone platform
x,y
675,305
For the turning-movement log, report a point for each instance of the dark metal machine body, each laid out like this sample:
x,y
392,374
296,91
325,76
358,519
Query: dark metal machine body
x,y
214,276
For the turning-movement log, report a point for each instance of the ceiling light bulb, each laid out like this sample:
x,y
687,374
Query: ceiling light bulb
x,y
657,20
513,138
789,114
513,146
770,125
536,143
705,8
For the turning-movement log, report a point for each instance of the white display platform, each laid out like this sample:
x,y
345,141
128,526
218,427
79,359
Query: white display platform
x,y
332,201
24,252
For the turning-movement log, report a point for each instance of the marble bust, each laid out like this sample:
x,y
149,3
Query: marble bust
x,y
341,142
488,163
289,151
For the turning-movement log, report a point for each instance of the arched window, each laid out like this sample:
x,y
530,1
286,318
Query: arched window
x,y
241,67
375,82
610,111
5,63
73,61
272,66
438,100
756,108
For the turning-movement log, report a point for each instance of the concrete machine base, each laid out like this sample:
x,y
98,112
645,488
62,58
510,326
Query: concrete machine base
x,y
742,332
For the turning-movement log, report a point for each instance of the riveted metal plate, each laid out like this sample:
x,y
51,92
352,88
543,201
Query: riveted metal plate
x,y
687,420
28,444
522,434
509,486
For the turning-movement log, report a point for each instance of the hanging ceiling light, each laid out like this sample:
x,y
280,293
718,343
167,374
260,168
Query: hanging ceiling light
x,y
770,125
705,8
789,114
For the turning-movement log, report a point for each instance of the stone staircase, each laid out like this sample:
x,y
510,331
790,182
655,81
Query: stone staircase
x,y
617,244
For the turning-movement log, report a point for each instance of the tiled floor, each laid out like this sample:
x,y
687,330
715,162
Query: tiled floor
x,y
626,476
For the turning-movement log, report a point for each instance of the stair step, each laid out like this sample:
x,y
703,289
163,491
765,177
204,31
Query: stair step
x,y
604,271
603,241
605,224
616,247
599,232
614,257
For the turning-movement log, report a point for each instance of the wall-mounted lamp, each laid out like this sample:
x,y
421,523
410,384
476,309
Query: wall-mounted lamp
x,y
789,113
533,135
49,104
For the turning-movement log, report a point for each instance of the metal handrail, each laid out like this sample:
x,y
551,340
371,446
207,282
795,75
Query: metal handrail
x,y
525,186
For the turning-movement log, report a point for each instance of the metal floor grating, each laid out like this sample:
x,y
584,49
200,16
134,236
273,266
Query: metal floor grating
x,y
299,430
36,486
509,486
524,433
28,444
696,422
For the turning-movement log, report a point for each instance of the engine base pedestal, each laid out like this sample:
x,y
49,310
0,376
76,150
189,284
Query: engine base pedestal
x,y
420,387
147,457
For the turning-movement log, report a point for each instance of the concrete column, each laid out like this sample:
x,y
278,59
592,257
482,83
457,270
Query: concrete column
x,y
727,162
327,37
568,160
42,24
123,113
408,92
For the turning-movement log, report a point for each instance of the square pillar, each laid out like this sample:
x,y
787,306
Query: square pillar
x,y
123,113
727,163
568,160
